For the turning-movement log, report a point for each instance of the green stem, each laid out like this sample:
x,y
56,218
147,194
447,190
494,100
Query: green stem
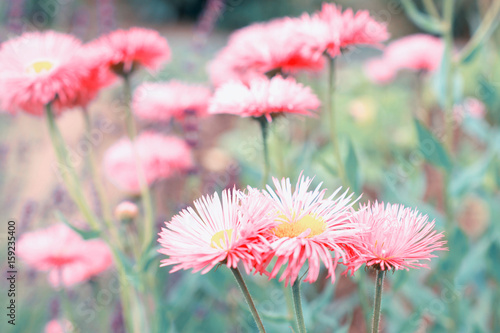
x,y
431,8
264,127
69,175
378,300
101,193
448,39
486,27
248,298
297,301
145,192
330,100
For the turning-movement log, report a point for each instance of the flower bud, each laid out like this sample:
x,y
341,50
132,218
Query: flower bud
x,y
126,210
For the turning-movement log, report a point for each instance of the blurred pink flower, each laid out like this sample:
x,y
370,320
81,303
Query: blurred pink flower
x,y
98,75
41,68
310,227
223,230
379,71
164,101
161,156
394,237
58,326
417,52
63,253
127,49
264,47
264,97
350,29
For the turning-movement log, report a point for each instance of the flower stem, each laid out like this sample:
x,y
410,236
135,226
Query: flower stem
x,y
297,302
264,127
101,193
379,284
248,298
450,67
331,115
69,175
145,192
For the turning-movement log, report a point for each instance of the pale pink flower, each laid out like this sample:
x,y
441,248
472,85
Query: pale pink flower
x,y
380,71
394,237
41,68
127,49
58,326
264,97
310,228
348,29
264,47
164,101
417,52
64,254
161,156
225,230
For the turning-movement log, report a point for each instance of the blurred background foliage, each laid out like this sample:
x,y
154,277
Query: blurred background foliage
x,y
379,141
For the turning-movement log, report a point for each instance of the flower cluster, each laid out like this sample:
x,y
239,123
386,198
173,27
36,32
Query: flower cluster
x,y
285,228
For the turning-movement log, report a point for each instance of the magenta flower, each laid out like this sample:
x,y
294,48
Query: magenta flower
x,y
64,254
264,98
417,52
394,237
223,230
124,50
161,157
164,101
41,68
310,228
277,45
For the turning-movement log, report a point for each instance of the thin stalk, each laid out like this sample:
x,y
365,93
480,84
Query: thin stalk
x,y
431,8
448,39
379,284
264,128
147,200
69,175
297,301
330,110
486,27
248,298
101,193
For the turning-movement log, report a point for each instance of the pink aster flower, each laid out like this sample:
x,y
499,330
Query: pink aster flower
x,y
264,97
58,326
380,71
348,29
394,237
417,52
161,156
41,68
223,230
264,47
127,49
64,254
310,228
164,101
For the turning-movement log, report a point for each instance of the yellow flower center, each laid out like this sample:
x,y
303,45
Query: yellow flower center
x,y
314,223
40,66
218,240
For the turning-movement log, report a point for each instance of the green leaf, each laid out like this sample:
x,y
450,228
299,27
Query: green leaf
x,y
425,22
351,165
86,234
431,148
